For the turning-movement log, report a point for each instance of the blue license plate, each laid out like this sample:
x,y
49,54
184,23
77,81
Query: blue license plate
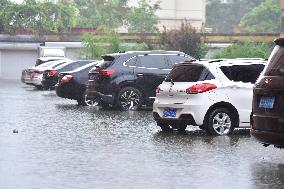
x,y
267,102
169,112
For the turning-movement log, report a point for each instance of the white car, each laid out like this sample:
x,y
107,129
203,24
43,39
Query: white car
x,y
215,95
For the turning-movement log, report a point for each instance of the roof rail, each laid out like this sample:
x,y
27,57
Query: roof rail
x,y
217,60
250,59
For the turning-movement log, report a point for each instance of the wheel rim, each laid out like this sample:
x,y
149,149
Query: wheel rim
x,y
130,100
90,102
222,123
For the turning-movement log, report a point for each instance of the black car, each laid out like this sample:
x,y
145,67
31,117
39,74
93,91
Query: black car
x,y
129,80
72,85
50,77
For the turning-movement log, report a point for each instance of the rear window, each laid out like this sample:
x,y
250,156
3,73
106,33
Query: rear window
x,y
243,73
107,61
189,73
276,63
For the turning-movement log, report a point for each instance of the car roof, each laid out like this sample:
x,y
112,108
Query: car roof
x,y
147,53
228,62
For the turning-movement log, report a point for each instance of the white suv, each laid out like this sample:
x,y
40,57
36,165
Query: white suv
x,y
215,95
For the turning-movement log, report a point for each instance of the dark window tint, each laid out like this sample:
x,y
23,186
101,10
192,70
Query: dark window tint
x,y
131,62
152,61
189,73
58,65
108,61
176,59
244,73
276,63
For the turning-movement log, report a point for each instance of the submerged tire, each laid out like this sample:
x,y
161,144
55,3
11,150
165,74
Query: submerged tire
x,y
221,121
129,98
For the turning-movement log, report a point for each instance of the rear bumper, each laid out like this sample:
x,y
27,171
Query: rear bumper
x,y
185,119
268,137
69,91
94,95
193,114
48,84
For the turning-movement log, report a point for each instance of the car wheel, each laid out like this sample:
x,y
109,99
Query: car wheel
x,y
39,87
165,127
221,121
88,101
129,98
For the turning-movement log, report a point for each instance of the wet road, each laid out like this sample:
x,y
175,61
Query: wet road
x,y
65,146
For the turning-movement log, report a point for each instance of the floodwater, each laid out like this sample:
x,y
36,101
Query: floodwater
x,y
59,145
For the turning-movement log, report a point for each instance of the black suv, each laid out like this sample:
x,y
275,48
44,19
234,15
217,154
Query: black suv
x,y
129,80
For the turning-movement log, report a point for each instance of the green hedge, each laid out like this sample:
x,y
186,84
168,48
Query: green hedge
x,y
245,50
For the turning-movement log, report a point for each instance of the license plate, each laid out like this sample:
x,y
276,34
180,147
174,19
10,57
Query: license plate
x,y
169,112
267,102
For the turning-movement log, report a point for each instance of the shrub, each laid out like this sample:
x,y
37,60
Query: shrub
x,y
185,39
95,46
245,50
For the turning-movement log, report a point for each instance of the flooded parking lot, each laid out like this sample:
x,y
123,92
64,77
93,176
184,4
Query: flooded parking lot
x,y
58,144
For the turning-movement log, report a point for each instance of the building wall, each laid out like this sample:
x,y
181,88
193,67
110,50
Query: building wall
x,y
173,12
12,62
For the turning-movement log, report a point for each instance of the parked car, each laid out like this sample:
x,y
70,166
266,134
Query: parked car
x,y
50,76
72,84
268,100
26,73
33,76
128,80
215,95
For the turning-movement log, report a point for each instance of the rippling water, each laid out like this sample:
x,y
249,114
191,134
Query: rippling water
x,y
65,146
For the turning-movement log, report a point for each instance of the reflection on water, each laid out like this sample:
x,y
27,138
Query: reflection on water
x,y
63,145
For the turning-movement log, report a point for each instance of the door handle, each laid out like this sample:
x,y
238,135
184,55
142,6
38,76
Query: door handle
x,y
140,75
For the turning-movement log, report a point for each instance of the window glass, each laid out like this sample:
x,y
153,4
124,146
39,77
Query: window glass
x,y
244,73
276,63
189,73
153,61
131,62
176,59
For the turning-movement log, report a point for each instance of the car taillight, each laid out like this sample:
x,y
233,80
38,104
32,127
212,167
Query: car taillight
x,y
66,79
200,88
51,73
158,90
38,72
106,72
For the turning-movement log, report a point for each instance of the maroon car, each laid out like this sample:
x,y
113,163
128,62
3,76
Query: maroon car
x,y
268,100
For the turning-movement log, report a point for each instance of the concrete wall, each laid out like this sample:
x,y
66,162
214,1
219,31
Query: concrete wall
x,y
12,62
14,57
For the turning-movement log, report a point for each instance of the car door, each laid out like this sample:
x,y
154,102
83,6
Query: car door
x,y
242,81
150,71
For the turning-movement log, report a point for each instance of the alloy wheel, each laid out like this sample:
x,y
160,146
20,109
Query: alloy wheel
x,y
130,100
222,123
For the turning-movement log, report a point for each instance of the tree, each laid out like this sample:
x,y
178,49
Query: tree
x,y
3,4
262,19
101,13
185,39
225,17
143,19
38,17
